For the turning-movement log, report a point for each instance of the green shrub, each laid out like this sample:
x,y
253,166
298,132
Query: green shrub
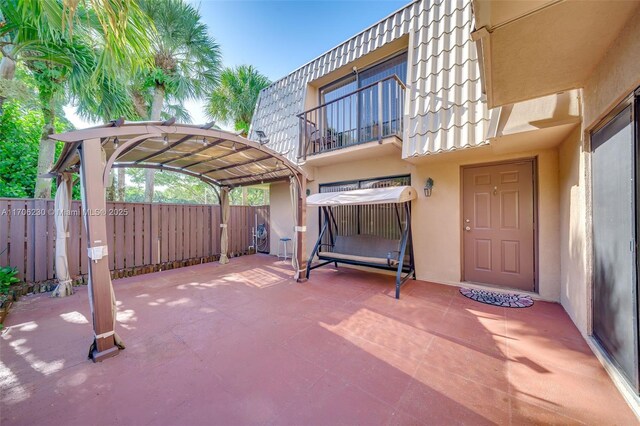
x,y
7,277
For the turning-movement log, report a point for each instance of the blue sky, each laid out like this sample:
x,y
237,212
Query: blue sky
x,y
279,36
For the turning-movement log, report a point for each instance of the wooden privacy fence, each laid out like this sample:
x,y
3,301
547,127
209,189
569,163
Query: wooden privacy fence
x,y
139,235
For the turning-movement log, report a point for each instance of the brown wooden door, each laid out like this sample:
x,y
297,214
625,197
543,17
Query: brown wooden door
x,y
498,225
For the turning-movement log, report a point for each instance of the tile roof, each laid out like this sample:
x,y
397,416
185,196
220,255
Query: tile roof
x,y
446,109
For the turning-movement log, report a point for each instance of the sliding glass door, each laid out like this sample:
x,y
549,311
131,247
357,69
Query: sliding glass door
x,y
371,107
353,105
614,161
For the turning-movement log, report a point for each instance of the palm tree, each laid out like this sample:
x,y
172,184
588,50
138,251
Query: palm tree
x,y
65,46
236,96
119,28
186,64
105,100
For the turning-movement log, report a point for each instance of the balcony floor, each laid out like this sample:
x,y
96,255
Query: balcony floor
x,y
244,344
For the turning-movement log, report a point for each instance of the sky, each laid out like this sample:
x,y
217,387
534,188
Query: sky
x,y
279,36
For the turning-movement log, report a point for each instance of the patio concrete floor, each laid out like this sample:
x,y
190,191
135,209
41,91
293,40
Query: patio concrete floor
x,y
244,344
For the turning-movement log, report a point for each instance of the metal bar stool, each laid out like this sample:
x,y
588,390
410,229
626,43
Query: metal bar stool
x,y
282,247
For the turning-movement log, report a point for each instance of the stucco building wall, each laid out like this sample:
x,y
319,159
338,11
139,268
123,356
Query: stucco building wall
x,y
281,220
438,222
613,79
616,75
563,177
437,229
575,293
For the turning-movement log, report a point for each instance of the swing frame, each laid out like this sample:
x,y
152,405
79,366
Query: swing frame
x,y
391,263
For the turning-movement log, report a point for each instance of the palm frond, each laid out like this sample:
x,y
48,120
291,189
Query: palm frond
x,y
234,99
118,29
177,110
187,61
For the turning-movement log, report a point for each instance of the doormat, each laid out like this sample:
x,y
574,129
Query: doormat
x,y
508,300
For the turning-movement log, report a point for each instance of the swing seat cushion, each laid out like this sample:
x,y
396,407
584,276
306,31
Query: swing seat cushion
x,y
327,255
364,248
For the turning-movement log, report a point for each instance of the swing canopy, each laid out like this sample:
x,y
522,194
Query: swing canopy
x,y
394,194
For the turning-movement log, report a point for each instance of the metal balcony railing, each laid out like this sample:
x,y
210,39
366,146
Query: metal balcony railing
x,y
373,112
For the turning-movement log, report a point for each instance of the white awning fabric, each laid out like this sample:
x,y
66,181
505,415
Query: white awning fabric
x,y
394,194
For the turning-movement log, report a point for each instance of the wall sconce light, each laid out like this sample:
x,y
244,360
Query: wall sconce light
x,y
428,186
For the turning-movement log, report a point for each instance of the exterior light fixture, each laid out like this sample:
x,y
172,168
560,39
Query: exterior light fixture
x,y
428,186
262,137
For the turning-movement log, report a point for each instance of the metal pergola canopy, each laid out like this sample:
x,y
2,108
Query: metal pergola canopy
x,y
214,156
219,158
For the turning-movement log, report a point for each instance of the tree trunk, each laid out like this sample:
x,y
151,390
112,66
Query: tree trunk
x,y
121,182
139,105
149,179
7,72
156,110
157,103
47,151
7,68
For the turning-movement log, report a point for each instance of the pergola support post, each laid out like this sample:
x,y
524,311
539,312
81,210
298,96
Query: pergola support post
x,y
224,222
301,229
94,211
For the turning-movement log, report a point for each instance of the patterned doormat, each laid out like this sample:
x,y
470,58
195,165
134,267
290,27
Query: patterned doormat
x,y
509,300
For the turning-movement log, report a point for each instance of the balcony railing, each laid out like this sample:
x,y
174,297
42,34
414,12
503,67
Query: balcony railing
x,y
373,112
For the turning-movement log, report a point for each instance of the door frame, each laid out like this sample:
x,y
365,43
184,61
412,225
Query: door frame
x,y
536,228
632,100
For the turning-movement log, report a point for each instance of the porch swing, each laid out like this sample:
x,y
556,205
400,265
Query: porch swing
x,y
368,250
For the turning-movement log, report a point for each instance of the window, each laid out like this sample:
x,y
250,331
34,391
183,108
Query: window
x,y
380,220
396,65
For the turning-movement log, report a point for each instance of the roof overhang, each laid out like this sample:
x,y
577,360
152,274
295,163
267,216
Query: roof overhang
x,y
213,156
394,194
533,48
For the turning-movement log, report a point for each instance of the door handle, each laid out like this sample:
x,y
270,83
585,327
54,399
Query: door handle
x,y
467,228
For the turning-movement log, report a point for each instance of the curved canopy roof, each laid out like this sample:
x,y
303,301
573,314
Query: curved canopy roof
x,y
214,156
393,194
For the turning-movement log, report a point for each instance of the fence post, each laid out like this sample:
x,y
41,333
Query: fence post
x,y
40,236
154,241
